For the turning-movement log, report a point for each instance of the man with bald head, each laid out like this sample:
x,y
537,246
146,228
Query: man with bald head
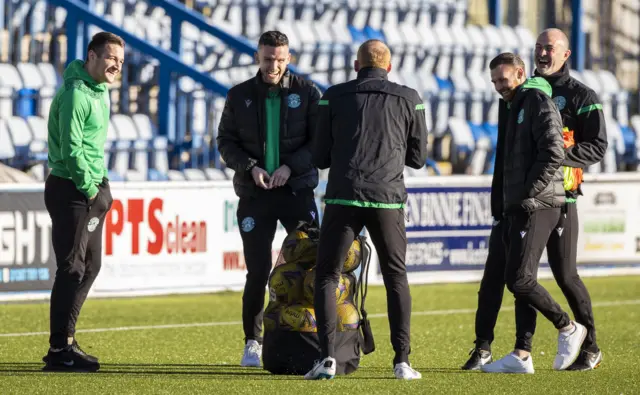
x,y
368,130
585,141
585,138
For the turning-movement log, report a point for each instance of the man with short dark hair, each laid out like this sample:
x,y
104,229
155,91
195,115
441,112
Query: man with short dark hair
x,y
533,194
265,135
585,139
368,130
77,194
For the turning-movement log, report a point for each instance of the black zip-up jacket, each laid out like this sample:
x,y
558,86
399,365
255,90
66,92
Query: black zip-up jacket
x,y
533,150
583,120
368,130
242,134
497,204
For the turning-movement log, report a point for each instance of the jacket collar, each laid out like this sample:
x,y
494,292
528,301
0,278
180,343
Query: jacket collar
x,y
560,78
372,72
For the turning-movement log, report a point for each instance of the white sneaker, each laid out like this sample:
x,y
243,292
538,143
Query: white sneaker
x,y
252,354
510,363
569,344
404,371
325,369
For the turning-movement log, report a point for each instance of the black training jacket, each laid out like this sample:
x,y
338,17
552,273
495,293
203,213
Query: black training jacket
x,y
241,133
583,122
368,130
533,150
497,204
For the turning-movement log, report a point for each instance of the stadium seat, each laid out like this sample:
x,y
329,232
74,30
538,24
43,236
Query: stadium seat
x,y
160,159
435,50
38,126
229,172
480,156
462,136
21,137
215,174
194,175
141,156
124,127
134,175
39,172
175,175
155,175
7,150
115,176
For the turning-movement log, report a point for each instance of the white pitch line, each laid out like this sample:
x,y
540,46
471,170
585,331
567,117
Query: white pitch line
x,y
230,323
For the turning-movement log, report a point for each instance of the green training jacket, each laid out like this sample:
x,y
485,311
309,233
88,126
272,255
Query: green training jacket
x,y
78,124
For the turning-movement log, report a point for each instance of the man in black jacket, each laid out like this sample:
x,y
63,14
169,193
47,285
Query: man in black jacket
x,y
533,195
265,135
368,130
585,138
492,283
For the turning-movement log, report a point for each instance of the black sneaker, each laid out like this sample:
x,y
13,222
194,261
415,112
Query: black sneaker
x,y
586,361
478,358
77,348
70,359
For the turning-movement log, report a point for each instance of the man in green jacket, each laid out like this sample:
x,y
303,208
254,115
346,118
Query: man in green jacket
x,y
77,194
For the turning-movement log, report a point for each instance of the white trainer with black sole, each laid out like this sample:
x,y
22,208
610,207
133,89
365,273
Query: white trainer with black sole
x,y
510,363
251,358
323,370
569,343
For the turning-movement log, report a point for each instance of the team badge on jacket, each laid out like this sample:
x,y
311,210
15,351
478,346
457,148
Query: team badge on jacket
x,y
560,101
294,100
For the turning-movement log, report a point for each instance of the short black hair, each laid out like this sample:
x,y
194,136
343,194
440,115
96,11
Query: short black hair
x,y
507,58
273,38
100,40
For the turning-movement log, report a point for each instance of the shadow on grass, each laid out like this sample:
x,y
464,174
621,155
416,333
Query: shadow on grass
x,y
217,371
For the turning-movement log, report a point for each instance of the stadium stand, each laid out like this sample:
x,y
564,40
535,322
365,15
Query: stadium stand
x,y
434,50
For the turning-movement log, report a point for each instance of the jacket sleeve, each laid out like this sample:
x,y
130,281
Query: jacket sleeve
x,y
72,112
416,155
498,171
322,137
591,135
546,128
300,161
229,141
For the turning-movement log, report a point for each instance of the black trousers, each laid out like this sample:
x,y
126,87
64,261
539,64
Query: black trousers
x,y
526,238
340,226
258,220
491,288
561,251
77,244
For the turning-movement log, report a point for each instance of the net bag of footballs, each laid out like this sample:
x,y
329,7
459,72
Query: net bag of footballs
x,y
291,344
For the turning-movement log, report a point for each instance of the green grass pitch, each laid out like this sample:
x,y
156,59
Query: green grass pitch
x,y
204,359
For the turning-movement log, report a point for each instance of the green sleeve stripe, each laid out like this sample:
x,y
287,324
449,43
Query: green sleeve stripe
x,y
419,106
323,103
592,107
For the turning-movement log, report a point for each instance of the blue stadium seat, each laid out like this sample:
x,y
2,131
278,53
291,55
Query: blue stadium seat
x,y
434,50
115,176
